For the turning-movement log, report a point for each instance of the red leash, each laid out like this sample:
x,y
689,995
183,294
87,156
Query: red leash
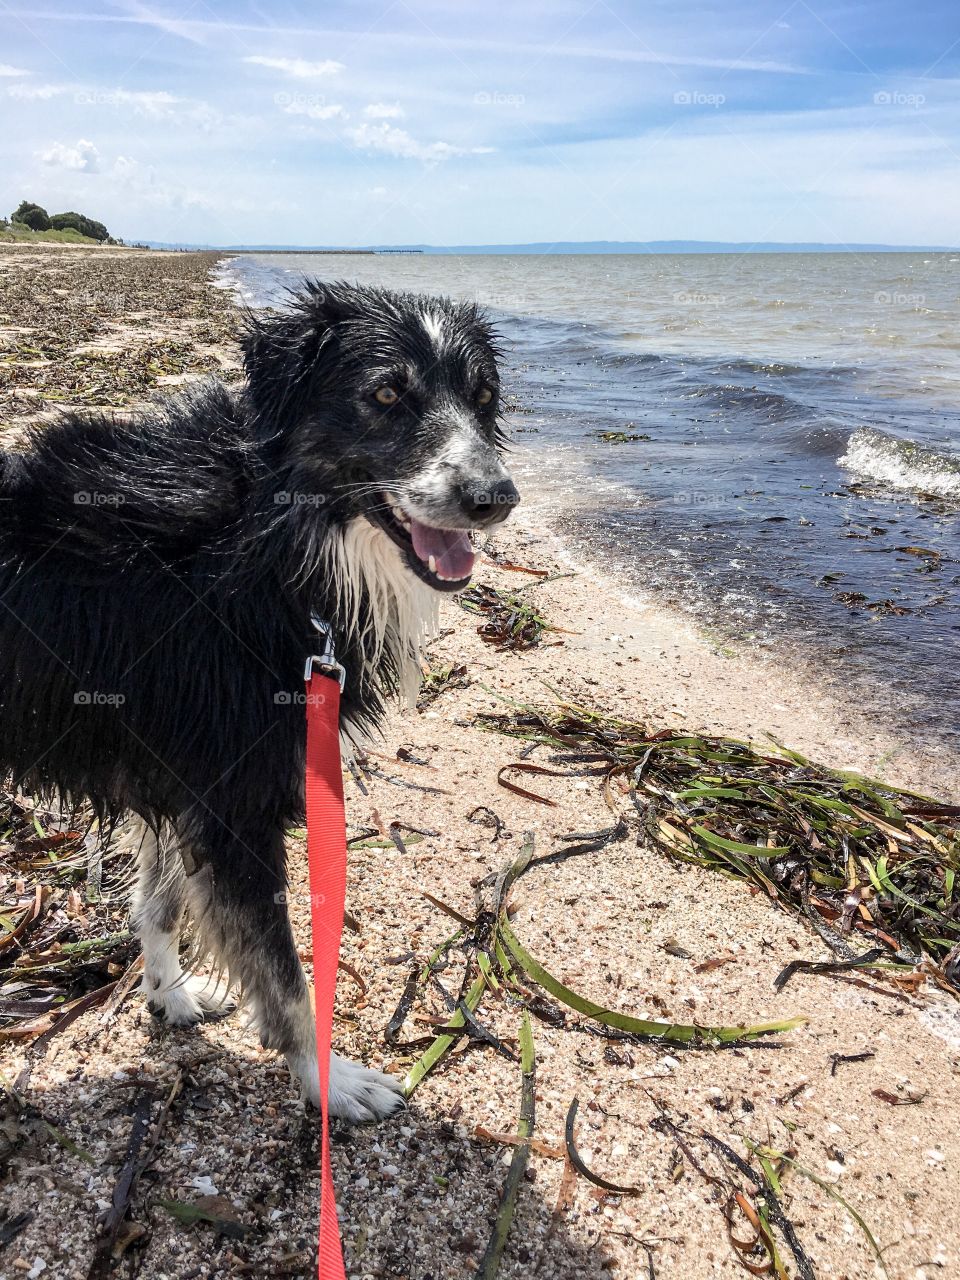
x,y
327,853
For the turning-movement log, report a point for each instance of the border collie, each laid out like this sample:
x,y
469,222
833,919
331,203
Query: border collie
x,y
158,578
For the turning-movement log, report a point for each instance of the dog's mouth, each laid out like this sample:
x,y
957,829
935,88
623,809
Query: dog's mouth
x,y
443,558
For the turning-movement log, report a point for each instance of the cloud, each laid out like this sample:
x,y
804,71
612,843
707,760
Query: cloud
x,y
7,70
397,142
142,183
33,92
384,111
155,104
158,104
83,158
140,13
314,108
298,67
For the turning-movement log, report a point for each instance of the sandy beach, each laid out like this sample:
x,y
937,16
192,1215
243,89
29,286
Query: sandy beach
x,y
856,1096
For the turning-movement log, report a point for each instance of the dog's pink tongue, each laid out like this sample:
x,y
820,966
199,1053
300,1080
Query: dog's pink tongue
x,y
451,550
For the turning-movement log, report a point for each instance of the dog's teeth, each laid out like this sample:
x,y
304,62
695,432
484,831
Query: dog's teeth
x,y
398,512
432,565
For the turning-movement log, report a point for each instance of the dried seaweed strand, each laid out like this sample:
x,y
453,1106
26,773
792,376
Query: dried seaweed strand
x,y
490,1266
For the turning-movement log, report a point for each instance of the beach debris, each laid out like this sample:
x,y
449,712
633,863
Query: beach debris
x,y
857,857
490,1265
834,966
440,678
63,950
215,1211
577,1160
838,1059
511,623
752,1198
118,1229
497,960
115,329
620,437
485,817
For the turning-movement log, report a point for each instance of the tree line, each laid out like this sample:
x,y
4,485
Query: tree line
x,y
36,218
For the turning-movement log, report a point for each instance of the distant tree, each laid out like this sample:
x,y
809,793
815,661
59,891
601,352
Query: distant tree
x,y
31,215
71,220
61,221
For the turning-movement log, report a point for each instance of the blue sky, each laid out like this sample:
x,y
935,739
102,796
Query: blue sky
x,y
447,122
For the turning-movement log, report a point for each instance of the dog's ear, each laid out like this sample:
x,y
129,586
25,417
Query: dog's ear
x,y
286,354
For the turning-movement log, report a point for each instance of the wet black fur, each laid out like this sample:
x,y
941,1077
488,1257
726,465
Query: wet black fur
x,y
145,633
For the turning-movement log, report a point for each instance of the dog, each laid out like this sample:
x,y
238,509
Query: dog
x,y
160,578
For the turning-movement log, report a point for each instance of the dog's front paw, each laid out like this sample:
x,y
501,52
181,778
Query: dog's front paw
x,y
361,1095
189,1000
357,1094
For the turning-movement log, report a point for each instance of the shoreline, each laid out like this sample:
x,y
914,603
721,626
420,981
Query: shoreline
x,y
732,688
622,925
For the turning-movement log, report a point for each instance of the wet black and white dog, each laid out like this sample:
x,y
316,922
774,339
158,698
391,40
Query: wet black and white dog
x,y
157,581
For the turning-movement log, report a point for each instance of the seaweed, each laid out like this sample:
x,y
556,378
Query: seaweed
x,y
498,963
855,855
511,623
64,947
438,679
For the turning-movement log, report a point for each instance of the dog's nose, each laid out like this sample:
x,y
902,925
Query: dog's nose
x,y
491,504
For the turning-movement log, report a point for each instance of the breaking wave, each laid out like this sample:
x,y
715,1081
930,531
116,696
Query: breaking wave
x,y
902,464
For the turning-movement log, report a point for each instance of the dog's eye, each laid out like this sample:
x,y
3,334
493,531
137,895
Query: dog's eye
x,y
386,396
484,395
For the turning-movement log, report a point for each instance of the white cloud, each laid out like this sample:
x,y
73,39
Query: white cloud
x,y
397,142
83,158
384,111
159,104
155,104
314,108
141,182
32,92
7,70
298,67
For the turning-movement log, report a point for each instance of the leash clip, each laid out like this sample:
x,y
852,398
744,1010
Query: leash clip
x,y
326,661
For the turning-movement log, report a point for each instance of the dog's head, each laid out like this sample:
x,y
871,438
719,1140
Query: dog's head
x,y
392,402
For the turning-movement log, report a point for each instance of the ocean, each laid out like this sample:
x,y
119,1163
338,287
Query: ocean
x,y
769,444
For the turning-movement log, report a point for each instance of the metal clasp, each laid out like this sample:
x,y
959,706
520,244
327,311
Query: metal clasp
x,y
326,661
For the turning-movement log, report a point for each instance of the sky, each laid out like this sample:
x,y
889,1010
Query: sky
x,y
449,122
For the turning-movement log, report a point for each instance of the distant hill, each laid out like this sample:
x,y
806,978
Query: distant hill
x,y
585,246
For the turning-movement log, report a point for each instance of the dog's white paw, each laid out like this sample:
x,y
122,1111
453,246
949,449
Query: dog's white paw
x,y
190,1000
357,1093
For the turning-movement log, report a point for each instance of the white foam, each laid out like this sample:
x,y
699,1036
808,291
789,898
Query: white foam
x,y
901,464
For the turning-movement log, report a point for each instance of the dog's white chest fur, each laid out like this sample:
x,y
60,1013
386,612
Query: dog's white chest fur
x,y
386,607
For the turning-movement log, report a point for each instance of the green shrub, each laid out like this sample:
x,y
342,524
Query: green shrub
x,y
79,222
31,215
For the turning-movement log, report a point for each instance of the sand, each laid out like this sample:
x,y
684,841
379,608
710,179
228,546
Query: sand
x,y
623,926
